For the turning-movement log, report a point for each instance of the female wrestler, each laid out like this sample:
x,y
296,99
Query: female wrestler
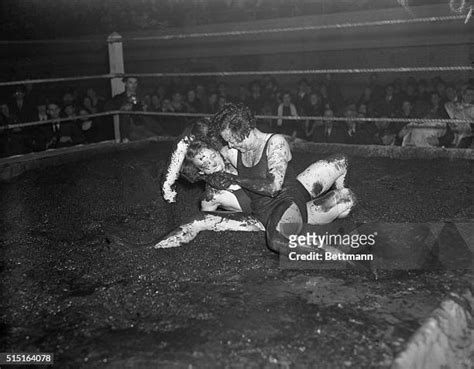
x,y
197,157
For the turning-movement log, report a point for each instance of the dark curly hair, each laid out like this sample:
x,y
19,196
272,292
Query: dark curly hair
x,y
238,118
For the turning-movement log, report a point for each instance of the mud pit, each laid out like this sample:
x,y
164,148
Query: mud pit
x,y
221,301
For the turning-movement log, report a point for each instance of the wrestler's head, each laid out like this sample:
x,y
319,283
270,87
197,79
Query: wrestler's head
x,y
206,159
235,122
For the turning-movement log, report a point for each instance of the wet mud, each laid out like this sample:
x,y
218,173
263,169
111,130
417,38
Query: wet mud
x,y
221,301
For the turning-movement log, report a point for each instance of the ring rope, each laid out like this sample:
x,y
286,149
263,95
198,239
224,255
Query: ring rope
x,y
386,22
245,73
59,79
59,120
53,41
247,32
336,119
274,117
307,71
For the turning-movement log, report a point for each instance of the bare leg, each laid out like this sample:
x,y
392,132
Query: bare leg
x,y
220,198
335,204
320,176
209,222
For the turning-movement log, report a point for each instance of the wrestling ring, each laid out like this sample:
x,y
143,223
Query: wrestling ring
x,y
223,300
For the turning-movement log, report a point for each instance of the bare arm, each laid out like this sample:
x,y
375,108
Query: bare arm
x,y
174,167
278,154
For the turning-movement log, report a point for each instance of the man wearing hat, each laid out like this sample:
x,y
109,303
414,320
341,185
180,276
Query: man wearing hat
x,y
128,101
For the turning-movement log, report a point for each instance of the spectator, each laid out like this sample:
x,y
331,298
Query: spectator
x,y
70,111
155,103
315,109
255,100
388,106
192,103
360,133
147,101
441,90
398,88
385,133
201,96
61,134
334,94
411,94
323,93
88,127
436,110
423,91
464,110
127,101
212,103
223,90
334,131
406,110
12,138
97,101
286,109
367,100
375,87
20,108
451,96
36,139
221,101
302,96
68,99
87,103
270,89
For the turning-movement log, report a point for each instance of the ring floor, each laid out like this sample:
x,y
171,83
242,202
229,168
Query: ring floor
x,y
220,301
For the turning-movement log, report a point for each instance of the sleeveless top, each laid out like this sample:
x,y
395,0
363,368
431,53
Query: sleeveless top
x,y
292,189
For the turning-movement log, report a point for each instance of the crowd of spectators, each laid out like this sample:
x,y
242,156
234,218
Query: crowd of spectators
x,y
411,98
25,104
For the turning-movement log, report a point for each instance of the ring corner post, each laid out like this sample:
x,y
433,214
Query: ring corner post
x,y
116,66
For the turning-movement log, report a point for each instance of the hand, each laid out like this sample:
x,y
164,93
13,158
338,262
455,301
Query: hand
x,y
220,180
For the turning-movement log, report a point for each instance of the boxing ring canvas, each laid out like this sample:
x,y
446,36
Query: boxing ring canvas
x,y
221,300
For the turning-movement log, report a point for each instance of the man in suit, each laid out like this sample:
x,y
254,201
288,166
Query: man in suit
x,y
61,134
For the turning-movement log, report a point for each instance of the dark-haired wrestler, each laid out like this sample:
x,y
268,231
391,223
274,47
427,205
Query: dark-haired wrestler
x,y
278,195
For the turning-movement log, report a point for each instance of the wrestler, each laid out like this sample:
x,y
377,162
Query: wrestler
x,y
278,196
196,157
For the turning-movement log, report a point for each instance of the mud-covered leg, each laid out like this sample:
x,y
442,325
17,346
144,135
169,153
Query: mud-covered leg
x,y
335,204
286,220
321,175
209,222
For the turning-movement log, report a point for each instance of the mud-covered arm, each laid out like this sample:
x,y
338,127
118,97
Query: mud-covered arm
x,y
174,167
278,154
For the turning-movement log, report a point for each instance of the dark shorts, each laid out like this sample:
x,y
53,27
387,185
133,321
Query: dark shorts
x,y
244,201
293,191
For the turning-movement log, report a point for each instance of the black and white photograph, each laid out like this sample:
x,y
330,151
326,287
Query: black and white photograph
x,y
275,184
